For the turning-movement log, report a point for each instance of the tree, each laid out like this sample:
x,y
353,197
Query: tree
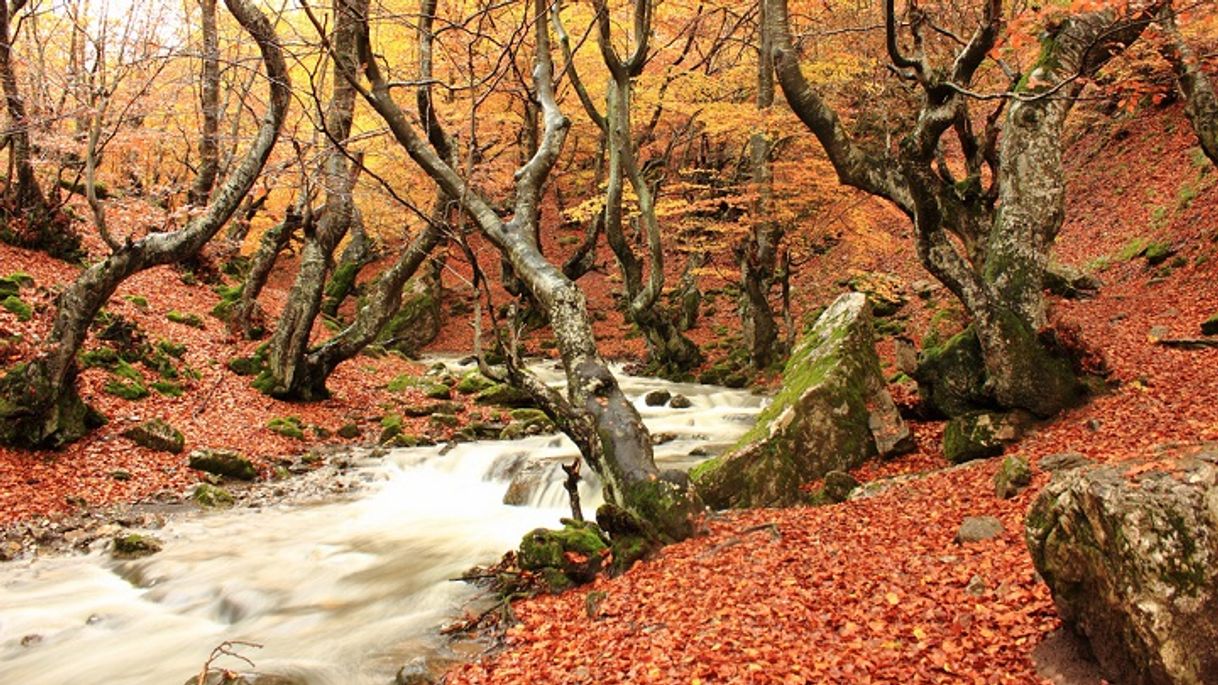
x,y
284,376
670,350
1201,103
595,412
209,105
39,227
1007,209
39,406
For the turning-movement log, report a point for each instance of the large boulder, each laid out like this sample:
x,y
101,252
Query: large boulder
x,y
417,320
951,376
1130,554
832,414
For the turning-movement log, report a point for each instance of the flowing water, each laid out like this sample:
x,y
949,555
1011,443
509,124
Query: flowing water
x,y
340,592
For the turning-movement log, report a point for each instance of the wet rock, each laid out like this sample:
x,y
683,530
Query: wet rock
x,y
211,497
662,438
1012,477
31,640
156,434
832,413
680,402
415,672
132,546
524,485
839,485
981,434
657,398
1132,561
978,528
225,463
1063,461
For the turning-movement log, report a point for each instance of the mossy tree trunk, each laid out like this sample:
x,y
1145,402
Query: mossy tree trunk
x,y
38,401
285,376
1201,103
595,412
273,242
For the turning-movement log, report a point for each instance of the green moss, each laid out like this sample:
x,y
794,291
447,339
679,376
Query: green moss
x,y
171,348
288,426
185,318
101,357
18,306
133,545
1158,252
349,431
437,391
230,297
1135,247
167,388
403,382
472,382
211,497
139,301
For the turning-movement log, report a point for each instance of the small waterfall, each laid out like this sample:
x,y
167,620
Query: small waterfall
x,y
338,593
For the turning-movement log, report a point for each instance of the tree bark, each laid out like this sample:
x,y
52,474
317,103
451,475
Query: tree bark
x,y
209,101
597,414
39,405
285,375
1201,103
274,241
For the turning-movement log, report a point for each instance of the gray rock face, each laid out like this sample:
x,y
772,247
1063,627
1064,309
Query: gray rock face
x,y
978,528
981,434
832,414
1132,560
157,435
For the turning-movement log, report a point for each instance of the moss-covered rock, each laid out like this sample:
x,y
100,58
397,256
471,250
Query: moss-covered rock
x,y
1132,562
132,546
981,434
349,431
185,318
504,395
577,550
1071,282
287,426
225,463
951,377
157,435
211,497
18,306
1012,477
833,412
437,391
36,414
473,382
839,485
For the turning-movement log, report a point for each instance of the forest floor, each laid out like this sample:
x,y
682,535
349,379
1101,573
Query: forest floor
x,y
871,590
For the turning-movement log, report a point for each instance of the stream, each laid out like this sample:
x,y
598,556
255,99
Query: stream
x,y
338,592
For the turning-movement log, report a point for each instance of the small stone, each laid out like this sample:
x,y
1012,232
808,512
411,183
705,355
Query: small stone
x,y
976,586
680,402
1159,332
978,528
157,435
839,485
30,640
1063,461
121,475
349,431
210,496
657,398
1013,476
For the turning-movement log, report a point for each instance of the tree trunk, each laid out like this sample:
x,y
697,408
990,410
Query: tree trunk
x,y
209,101
274,241
285,376
759,252
357,253
1201,104
596,414
39,406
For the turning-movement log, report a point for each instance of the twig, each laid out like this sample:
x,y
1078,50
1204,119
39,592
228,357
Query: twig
x,y
225,649
775,534
1188,343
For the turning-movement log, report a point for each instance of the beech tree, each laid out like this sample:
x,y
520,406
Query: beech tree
x,y
1200,101
39,405
1007,209
595,412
